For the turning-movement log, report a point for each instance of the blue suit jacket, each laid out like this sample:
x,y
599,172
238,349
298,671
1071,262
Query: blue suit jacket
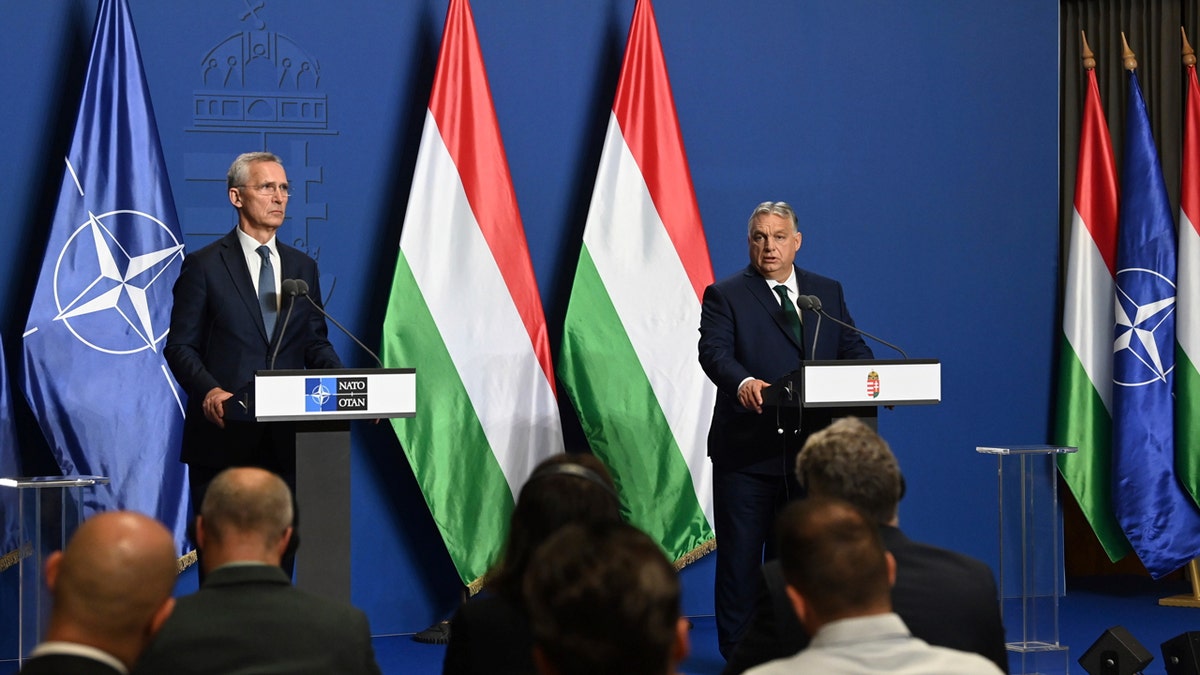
x,y
218,338
743,334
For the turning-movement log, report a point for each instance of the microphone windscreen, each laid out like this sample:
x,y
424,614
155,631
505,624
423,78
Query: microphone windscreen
x,y
301,287
289,288
814,302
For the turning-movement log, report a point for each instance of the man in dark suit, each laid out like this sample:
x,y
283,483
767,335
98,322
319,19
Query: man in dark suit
x,y
945,598
247,617
751,334
112,591
227,322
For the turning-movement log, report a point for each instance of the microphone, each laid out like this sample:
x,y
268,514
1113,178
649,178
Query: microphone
x,y
301,287
814,303
290,291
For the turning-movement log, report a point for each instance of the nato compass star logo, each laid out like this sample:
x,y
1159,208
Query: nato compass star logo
x,y
1144,349
113,292
320,395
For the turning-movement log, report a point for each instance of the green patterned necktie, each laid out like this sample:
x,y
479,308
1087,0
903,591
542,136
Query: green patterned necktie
x,y
789,311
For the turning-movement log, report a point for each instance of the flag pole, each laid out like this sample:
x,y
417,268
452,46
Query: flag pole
x,y
1193,567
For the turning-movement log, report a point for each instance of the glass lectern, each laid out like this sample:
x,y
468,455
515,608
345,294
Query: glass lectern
x,y
1032,576
49,509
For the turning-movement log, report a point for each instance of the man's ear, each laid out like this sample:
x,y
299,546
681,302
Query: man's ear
x,y
891,567
52,563
235,197
200,534
798,604
282,547
682,645
160,616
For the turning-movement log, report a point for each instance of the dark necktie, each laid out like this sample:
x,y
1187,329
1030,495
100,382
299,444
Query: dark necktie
x,y
266,289
789,311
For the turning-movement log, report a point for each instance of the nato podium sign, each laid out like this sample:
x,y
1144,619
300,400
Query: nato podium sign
x,y
317,395
321,404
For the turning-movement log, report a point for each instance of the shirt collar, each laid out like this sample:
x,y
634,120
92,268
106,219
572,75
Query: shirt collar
x,y
76,649
250,245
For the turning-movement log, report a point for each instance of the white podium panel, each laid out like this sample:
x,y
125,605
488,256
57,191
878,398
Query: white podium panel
x,y
866,383
314,395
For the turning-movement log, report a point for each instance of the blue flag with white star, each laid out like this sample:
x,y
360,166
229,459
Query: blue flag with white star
x,y
94,372
10,466
1160,520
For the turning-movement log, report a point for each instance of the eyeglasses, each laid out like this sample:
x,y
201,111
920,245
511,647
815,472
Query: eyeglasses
x,y
269,189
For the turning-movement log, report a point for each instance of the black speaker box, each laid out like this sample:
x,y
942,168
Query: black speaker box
x,y
1116,652
1181,654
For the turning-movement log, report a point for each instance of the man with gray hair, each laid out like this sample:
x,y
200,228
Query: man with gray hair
x,y
227,322
945,598
752,334
247,617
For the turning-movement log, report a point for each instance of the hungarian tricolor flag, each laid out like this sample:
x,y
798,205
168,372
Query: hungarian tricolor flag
x,y
629,360
1085,366
465,312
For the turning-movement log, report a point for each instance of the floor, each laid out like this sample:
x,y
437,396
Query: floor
x,y
1088,609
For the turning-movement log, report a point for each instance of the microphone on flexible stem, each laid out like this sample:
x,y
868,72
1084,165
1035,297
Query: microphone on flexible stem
x,y
814,303
289,289
302,290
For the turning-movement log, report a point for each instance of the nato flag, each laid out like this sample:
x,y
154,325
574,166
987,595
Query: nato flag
x,y
94,373
1158,517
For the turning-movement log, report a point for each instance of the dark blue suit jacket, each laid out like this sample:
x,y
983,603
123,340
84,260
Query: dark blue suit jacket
x,y
218,339
743,333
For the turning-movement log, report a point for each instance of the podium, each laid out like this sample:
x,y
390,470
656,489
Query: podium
x,y
858,386
49,510
1031,555
322,403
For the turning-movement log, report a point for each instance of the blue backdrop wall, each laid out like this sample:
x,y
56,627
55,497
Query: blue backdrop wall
x,y
917,140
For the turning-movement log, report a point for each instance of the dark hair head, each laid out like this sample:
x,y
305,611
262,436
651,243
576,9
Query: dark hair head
x,y
832,554
565,488
603,599
848,460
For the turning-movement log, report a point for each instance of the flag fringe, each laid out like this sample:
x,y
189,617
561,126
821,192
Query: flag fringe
x,y
696,554
185,561
14,556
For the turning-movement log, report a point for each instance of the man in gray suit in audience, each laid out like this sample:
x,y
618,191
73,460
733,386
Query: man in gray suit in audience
x,y
247,617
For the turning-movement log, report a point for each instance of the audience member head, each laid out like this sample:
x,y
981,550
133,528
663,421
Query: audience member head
x,y
849,461
604,599
834,561
246,516
112,584
565,488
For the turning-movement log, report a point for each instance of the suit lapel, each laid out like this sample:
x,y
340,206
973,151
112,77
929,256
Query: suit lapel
x,y
239,274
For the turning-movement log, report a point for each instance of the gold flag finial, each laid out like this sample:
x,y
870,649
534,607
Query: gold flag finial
x,y
1130,57
1089,59
1189,54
